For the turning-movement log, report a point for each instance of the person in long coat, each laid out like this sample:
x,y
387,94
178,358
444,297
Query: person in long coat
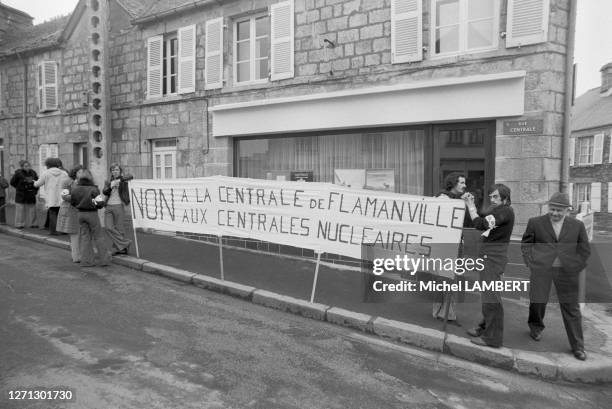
x,y
25,195
52,179
67,218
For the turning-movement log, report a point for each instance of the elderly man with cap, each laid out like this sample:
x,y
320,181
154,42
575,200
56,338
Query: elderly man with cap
x,y
556,247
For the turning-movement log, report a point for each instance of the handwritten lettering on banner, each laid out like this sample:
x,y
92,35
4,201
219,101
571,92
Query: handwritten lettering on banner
x,y
318,216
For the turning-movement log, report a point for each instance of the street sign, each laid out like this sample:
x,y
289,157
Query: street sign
x,y
524,127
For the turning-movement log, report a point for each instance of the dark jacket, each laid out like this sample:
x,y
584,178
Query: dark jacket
x,y
3,185
495,244
82,195
23,182
124,192
540,245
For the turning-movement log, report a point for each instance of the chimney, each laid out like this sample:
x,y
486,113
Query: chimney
x,y
606,77
12,19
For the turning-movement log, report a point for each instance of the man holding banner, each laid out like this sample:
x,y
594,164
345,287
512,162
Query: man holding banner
x,y
497,223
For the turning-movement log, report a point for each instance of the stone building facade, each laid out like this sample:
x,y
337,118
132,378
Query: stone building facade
x,y
590,154
332,88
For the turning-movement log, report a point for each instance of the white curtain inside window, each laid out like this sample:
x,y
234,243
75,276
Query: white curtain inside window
x,y
274,158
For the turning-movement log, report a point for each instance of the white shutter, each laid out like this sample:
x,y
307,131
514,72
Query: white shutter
x,y
213,77
186,60
406,31
527,22
598,142
154,66
570,193
281,40
596,197
572,151
609,197
47,86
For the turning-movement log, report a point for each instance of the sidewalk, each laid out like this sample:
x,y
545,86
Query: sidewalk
x,y
286,283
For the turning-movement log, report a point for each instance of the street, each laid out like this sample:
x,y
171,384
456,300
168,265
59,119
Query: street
x,y
121,338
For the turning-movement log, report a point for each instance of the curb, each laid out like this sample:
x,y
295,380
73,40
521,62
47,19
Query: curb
x,y
549,366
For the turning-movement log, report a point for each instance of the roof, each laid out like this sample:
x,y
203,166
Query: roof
x,y
162,8
136,8
34,37
14,10
592,110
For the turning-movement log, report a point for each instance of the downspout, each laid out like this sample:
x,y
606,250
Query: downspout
x,y
569,88
25,104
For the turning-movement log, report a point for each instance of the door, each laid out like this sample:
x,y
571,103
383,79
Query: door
x,y
467,148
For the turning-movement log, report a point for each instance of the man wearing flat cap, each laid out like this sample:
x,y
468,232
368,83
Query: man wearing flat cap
x,y
556,247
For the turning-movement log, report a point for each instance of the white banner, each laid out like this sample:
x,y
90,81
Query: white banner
x,y
318,216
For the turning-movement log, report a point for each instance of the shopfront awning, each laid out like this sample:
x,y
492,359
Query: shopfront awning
x,y
477,97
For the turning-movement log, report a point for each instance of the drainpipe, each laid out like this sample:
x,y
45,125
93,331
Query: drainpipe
x,y
25,103
569,87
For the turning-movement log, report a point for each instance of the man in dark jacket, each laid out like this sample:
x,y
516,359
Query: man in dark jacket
x,y
556,248
497,223
25,195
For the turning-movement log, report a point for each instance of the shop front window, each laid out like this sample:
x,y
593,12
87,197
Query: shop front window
x,y
387,160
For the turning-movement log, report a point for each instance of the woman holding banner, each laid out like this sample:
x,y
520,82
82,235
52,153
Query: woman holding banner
x,y
116,189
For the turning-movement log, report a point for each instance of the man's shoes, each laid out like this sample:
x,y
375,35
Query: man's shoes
x,y
474,332
19,227
482,343
580,355
121,252
535,335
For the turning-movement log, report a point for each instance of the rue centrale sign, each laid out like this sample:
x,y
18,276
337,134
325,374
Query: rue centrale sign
x,y
524,127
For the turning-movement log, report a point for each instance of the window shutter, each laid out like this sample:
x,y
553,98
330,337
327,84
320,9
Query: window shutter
x,y
406,31
598,149
186,60
527,22
47,86
596,197
281,40
214,54
570,193
154,66
572,151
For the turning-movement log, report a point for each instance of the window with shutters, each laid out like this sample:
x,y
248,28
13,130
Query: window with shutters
x,y
581,193
585,147
171,63
46,80
461,26
251,49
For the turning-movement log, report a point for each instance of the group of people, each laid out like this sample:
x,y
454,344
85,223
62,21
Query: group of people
x,y
555,247
72,200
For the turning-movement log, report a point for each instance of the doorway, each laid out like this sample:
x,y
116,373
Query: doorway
x,y
469,149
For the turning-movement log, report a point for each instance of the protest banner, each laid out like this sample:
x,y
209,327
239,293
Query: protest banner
x,y
320,216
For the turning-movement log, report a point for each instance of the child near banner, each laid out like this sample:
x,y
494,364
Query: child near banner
x,y
86,198
114,214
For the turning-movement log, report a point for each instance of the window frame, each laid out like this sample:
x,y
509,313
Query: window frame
x,y
162,151
252,48
167,64
591,150
577,192
463,30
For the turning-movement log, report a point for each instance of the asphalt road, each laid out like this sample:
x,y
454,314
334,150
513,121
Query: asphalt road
x,y
125,339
